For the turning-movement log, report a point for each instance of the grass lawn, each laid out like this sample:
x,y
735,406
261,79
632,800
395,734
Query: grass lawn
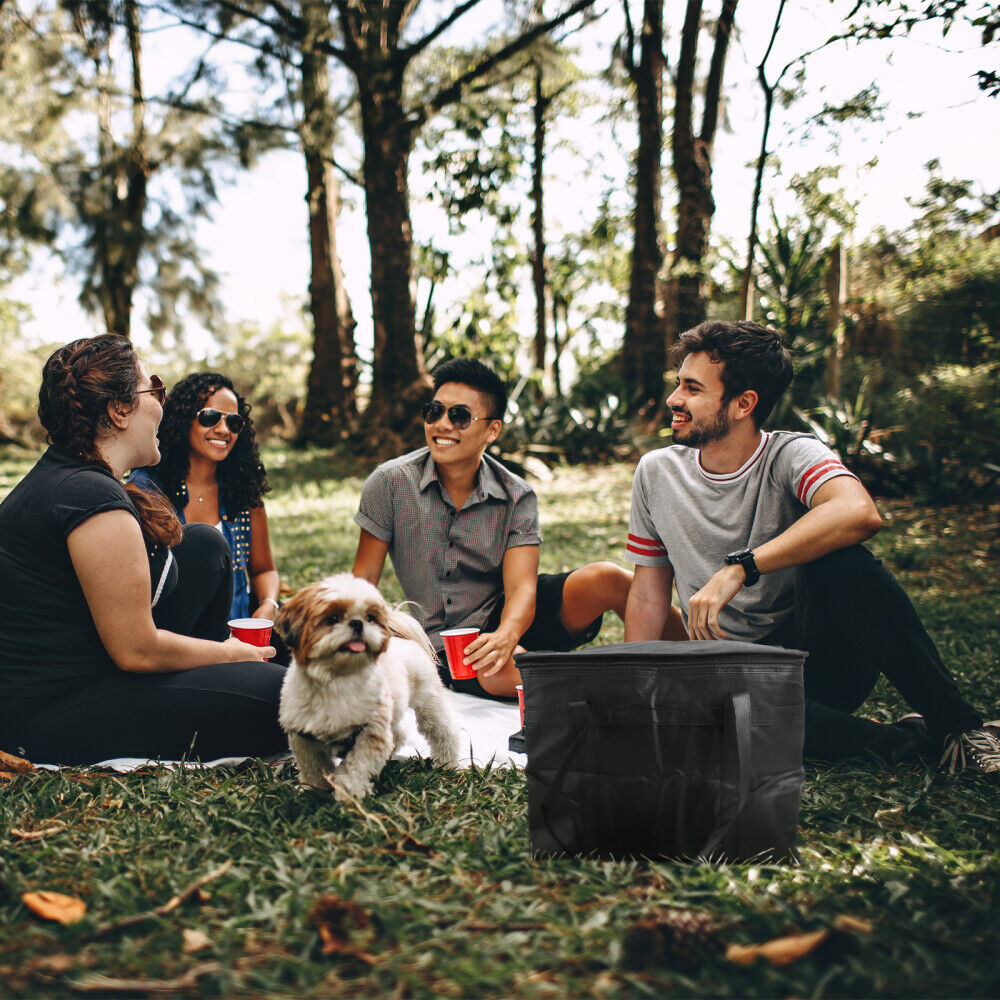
x,y
428,890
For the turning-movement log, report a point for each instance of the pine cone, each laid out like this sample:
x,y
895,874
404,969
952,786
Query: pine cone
x,y
677,939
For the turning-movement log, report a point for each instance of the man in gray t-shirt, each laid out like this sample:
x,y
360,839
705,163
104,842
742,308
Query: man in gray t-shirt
x,y
761,533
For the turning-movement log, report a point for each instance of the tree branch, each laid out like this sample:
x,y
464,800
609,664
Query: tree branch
x,y
240,11
713,86
219,36
628,55
454,90
410,51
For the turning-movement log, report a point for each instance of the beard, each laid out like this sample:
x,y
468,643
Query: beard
x,y
703,434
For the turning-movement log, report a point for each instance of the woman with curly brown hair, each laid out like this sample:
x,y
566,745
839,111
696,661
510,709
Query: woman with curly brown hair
x,y
113,635
210,470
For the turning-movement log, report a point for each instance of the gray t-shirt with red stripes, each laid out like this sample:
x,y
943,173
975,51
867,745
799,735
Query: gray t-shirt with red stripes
x,y
687,518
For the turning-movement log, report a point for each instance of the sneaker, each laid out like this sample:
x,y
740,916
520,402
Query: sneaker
x,y
974,750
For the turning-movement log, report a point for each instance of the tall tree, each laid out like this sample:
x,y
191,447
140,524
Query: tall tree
x,y
692,162
101,200
114,204
331,400
373,48
292,54
644,345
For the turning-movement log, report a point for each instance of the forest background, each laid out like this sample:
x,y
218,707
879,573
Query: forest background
x,y
537,185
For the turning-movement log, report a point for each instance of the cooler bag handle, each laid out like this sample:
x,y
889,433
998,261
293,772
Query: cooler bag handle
x,y
738,723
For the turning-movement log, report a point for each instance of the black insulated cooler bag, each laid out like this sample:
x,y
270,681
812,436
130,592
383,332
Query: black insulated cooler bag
x,y
664,749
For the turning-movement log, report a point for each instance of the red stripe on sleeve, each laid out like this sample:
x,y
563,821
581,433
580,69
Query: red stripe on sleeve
x,y
639,540
816,472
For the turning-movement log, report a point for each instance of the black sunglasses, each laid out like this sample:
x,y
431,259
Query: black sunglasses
x,y
459,415
156,387
209,417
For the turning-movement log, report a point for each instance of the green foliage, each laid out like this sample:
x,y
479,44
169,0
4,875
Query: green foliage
x,y
938,281
589,423
948,432
449,901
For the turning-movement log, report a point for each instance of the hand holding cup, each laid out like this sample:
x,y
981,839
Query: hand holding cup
x,y
455,642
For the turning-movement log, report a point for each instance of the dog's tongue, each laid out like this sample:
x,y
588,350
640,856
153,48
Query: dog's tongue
x,y
356,646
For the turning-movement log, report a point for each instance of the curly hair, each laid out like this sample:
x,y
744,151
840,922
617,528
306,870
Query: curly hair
x,y
78,382
752,357
241,475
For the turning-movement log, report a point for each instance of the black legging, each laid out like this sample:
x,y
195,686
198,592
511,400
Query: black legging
x,y
222,710
856,622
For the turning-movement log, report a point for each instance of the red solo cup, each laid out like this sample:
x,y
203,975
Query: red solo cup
x,y
455,641
519,688
256,631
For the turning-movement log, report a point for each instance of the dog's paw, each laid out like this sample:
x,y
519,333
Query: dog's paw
x,y
346,790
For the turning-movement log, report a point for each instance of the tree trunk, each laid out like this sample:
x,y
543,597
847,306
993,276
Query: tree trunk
x,y
836,292
118,232
692,157
644,347
398,379
538,221
746,284
331,400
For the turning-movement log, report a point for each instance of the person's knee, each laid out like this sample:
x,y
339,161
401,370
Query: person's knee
x,y
206,543
603,578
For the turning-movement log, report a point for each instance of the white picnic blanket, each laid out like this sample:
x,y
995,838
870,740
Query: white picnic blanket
x,y
484,728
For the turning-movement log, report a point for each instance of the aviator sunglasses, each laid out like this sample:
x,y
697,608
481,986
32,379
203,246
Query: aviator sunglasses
x,y
459,415
209,417
157,388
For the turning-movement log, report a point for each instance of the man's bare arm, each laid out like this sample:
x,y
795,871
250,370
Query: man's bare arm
x,y
648,603
369,561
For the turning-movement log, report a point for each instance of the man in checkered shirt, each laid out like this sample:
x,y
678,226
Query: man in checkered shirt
x,y
463,535
761,531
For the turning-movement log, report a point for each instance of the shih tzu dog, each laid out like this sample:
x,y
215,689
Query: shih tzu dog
x,y
358,665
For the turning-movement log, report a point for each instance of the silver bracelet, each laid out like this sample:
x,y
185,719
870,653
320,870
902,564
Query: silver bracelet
x,y
272,600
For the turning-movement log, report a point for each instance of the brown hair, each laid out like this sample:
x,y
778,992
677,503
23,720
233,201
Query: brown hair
x,y
752,357
78,382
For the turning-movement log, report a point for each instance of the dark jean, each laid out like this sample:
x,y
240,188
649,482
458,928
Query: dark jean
x,y
855,621
221,710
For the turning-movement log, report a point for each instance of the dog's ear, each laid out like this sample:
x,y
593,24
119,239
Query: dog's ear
x,y
291,618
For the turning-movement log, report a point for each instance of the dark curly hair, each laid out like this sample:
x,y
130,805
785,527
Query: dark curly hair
x,y
78,382
752,357
241,475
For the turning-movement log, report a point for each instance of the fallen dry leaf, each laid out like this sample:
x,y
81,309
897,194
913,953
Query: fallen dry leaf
x,y
881,814
182,984
779,951
7,775
193,940
16,764
855,924
55,827
55,906
830,942
335,918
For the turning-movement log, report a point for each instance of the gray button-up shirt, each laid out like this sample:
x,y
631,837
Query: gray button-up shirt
x,y
449,562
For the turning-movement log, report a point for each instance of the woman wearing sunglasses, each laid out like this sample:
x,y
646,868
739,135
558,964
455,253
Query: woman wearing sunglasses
x,y
210,470
113,635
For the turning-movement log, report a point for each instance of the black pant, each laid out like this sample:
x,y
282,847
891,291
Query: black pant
x,y
855,621
222,710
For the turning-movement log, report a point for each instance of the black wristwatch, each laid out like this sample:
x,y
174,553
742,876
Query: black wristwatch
x,y
744,558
